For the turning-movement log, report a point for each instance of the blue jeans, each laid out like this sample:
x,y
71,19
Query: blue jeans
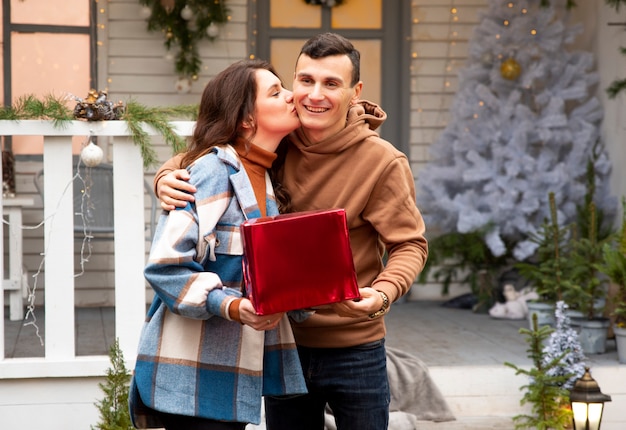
x,y
352,381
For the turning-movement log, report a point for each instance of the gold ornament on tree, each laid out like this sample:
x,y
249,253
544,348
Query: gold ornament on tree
x,y
510,69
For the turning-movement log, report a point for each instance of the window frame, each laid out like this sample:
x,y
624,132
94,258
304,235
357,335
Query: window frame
x,y
9,27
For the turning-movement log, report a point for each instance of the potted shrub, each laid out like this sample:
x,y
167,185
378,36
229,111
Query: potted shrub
x,y
614,267
549,273
587,291
465,258
546,390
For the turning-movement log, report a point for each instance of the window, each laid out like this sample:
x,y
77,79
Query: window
x,y
48,47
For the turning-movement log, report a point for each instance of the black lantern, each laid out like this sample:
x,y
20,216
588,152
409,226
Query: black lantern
x,y
587,403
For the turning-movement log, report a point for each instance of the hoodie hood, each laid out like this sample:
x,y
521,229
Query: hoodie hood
x,y
362,120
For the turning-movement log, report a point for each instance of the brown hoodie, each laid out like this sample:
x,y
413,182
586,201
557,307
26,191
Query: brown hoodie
x,y
367,176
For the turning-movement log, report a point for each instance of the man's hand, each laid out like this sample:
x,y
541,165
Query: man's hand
x,y
369,303
174,191
249,317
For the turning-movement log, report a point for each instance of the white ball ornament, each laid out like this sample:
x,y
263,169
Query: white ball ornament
x,y
183,86
145,12
186,13
212,30
91,154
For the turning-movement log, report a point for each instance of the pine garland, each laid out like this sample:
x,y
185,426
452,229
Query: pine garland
x,y
167,16
157,118
30,107
55,109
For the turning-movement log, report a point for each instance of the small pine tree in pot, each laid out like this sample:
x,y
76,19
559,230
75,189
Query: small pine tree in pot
x,y
589,286
614,267
114,411
545,391
549,273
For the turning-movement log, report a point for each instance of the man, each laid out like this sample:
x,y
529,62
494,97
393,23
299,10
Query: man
x,y
337,160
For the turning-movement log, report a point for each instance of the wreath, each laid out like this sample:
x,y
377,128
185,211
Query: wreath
x,y
327,3
184,23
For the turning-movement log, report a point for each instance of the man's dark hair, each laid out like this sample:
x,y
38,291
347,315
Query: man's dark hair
x,y
329,44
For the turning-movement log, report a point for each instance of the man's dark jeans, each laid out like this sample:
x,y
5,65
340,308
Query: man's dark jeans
x,y
352,381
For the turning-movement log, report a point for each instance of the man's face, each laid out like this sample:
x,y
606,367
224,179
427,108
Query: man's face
x,y
322,94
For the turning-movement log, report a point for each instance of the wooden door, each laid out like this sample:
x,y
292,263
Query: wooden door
x,y
379,30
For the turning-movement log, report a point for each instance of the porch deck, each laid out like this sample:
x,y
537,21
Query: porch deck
x,y
438,335
464,352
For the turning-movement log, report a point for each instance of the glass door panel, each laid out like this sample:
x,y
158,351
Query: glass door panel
x,y
362,14
47,12
39,67
294,14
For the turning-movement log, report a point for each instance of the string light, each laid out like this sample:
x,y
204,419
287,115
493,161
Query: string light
x,y
435,124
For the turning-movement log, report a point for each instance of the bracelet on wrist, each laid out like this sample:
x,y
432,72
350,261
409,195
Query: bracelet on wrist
x,y
383,310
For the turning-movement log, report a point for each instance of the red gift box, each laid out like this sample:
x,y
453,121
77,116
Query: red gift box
x,y
298,261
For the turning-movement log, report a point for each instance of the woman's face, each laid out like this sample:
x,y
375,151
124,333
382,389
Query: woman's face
x,y
275,113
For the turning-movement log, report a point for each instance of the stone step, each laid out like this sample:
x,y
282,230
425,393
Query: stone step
x,y
468,423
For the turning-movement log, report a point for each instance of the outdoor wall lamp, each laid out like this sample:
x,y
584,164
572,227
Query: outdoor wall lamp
x,y
587,403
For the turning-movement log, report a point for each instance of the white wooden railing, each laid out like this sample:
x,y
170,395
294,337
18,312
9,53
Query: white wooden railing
x,y
60,359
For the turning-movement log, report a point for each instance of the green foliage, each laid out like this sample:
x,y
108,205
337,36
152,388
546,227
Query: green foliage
x,y
568,258
587,257
587,248
55,109
618,84
550,273
615,4
544,392
463,258
614,266
600,223
30,107
569,5
158,118
184,34
114,411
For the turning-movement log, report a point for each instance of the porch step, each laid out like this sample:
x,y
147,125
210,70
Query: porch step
x,y
469,423
488,397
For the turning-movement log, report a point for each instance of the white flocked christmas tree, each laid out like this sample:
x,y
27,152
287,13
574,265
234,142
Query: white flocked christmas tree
x,y
524,122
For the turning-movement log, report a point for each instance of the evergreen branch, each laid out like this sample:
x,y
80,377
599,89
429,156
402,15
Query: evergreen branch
x,y
55,109
615,4
182,34
157,118
113,408
30,107
616,87
544,391
569,5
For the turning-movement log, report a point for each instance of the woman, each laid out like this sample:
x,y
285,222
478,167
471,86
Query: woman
x,y
205,358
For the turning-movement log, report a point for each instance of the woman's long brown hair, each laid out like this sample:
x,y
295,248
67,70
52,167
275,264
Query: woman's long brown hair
x,y
227,101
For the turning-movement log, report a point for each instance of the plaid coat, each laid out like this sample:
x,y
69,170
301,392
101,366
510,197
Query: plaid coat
x,y
193,360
